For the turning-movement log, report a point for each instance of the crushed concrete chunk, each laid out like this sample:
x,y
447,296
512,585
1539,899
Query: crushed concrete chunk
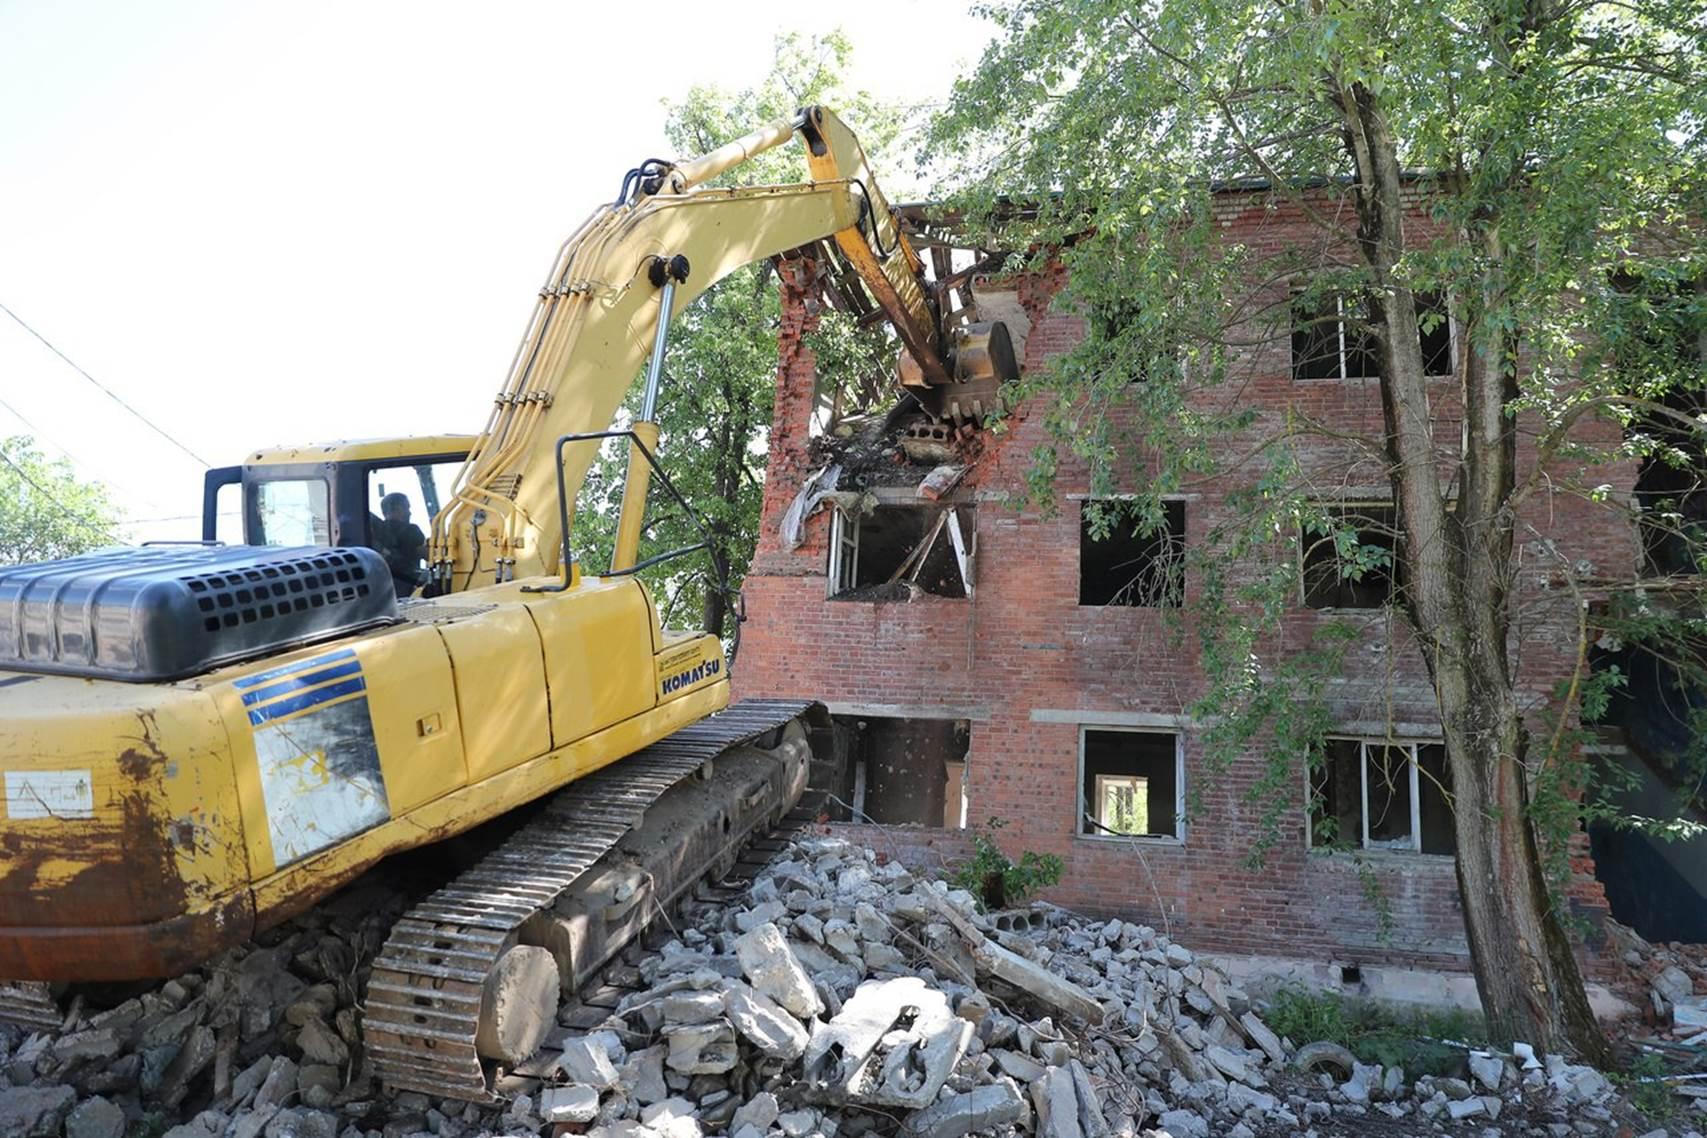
x,y
572,1103
760,1112
1183,1124
702,1049
894,1043
771,967
763,1022
991,1108
1057,1104
586,1061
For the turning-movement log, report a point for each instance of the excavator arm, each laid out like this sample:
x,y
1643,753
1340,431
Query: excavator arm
x,y
615,283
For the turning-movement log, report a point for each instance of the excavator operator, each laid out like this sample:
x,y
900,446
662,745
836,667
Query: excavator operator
x,y
400,542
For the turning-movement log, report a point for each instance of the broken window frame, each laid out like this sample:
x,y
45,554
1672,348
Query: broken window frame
x,y
1083,829
844,551
1168,592
1414,789
1348,348
945,527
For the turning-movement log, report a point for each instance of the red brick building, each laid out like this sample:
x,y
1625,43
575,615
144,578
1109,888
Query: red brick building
x,y
1030,698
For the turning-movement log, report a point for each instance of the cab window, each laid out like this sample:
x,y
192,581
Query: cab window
x,y
402,502
293,511
426,486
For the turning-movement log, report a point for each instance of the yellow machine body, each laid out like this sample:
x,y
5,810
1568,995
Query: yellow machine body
x,y
170,820
146,825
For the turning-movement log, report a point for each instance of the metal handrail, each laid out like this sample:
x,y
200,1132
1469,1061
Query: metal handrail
x,y
664,478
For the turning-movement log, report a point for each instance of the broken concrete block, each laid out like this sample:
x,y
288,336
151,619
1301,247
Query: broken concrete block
x,y
1463,1108
691,1006
771,967
572,1103
1091,1121
1674,984
992,1108
1183,1124
1241,1098
1056,1102
1489,1070
702,1049
881,957
760,1112
1021,1068
1258,1033
864,1055
34,1112
1231,1064
278,1085
585,1060
763,1022
643,1075
672,1118
96,1118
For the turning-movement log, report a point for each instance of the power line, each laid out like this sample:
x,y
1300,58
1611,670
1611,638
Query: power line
x,y
99,531
157,429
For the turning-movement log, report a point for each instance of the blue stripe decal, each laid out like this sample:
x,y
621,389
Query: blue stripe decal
x,y
293,683
311,662
284,707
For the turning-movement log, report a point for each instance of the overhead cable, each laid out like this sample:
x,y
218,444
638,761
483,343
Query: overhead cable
x,y
153,426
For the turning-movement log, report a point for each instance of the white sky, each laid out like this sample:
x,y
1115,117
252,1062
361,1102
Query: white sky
x,y
281,222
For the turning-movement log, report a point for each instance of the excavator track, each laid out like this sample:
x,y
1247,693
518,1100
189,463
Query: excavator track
x,y
423,1002
30,1004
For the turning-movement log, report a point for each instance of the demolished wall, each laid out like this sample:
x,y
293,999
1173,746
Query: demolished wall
x,y
1031,669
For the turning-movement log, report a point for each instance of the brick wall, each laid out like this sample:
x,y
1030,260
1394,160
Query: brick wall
x,y
1029,667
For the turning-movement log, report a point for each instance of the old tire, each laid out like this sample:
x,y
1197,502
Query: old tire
x,y
518,1004
1324,1056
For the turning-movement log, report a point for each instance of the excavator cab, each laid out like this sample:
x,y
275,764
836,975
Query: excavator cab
x,y
329,494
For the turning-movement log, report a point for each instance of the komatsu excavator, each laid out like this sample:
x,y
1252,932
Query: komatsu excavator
x,y
200,740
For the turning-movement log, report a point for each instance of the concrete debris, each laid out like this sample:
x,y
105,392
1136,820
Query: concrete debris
x,y
572,1103
983,1109
771,967
844,997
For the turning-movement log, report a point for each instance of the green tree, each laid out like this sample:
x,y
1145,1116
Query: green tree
x,y
1557,147
714,410
46,511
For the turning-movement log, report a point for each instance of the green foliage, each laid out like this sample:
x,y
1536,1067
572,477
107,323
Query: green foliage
x,y
1561,153
1422,1041
718,391
46,511
998,881
1645,1088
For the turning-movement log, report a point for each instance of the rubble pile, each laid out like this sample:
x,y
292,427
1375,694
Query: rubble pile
x,y
841,997
1670,985
263,1040
847,997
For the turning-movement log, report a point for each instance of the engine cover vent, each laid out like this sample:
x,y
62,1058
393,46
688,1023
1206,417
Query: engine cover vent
x,y
162,613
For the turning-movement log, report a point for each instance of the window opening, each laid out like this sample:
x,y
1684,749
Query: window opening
x,y
896,553
1350,555
228,514
293,511
1376,794
1331,338
1125,566
900,771
1132,783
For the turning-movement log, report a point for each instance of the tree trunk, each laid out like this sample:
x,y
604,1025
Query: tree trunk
x,y
1457,564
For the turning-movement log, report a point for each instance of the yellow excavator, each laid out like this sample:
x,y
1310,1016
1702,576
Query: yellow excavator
x,y
200,740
